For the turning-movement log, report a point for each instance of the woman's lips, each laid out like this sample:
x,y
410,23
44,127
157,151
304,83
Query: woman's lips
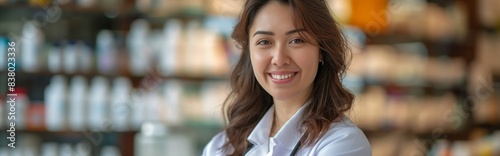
x,y
282,77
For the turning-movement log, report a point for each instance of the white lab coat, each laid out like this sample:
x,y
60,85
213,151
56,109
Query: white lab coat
x,y
342,139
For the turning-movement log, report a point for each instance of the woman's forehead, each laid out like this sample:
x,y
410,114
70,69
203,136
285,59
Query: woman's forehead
x,y
274,17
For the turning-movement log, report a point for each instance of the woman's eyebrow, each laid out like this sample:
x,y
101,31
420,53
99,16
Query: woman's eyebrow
x,y
294,31
271,33
264,33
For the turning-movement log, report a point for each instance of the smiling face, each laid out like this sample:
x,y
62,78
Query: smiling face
x,y
284,64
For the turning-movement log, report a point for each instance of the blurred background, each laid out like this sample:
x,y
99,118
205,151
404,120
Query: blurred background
x,y
147,77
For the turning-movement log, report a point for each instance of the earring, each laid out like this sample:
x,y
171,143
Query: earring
x,y
322,63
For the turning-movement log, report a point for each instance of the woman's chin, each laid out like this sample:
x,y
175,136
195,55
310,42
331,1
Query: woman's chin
x,y
282,96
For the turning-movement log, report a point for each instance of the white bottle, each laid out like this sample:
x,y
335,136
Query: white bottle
x,y
192,63
179,145
83,148
151,140
212,96
110,151
55,94
4,151
14,152
65,149
139,51
55,59
49,149
32,39
85,58
70,58
172,93
29,151
156,40
98,100
169,56
121,103
77,103
139,109
153,108
215,62
106,52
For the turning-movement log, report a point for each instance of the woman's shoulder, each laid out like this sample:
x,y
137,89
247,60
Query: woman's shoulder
x,y
344,128
344,135
214,147
343,123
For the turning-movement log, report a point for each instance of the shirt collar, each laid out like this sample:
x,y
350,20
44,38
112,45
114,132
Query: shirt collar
x,y
260,133
288,136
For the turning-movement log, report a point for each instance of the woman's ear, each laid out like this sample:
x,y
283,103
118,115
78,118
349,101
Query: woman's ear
x,y
321,58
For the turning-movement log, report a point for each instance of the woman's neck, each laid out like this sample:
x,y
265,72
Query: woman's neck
x,y
284,110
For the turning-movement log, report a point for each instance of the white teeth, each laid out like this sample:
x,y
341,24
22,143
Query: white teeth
x,y
281,77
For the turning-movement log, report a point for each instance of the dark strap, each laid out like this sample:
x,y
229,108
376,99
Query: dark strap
x,y
294,151
250,145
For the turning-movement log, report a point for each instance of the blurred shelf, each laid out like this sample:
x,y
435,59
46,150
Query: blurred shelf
x,y
391,38
496,80
22,74
190,124
435,134
71,131
415,84
488,126
184,13
490,29
461,133
125,10
399,38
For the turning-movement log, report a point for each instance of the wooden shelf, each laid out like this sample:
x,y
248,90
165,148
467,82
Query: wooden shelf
x,y
108,75
125,10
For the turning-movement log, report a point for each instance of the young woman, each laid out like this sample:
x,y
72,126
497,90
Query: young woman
x,y
287,97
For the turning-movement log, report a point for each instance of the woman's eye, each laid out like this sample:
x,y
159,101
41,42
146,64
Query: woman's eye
x,y
296,40
263,42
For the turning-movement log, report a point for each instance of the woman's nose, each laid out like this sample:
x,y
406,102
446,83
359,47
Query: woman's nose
x,y
280,56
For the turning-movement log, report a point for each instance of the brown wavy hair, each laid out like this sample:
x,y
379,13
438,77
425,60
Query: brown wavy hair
x,y
248,101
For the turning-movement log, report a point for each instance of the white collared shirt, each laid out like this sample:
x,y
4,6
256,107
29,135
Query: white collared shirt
x,y
342,139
